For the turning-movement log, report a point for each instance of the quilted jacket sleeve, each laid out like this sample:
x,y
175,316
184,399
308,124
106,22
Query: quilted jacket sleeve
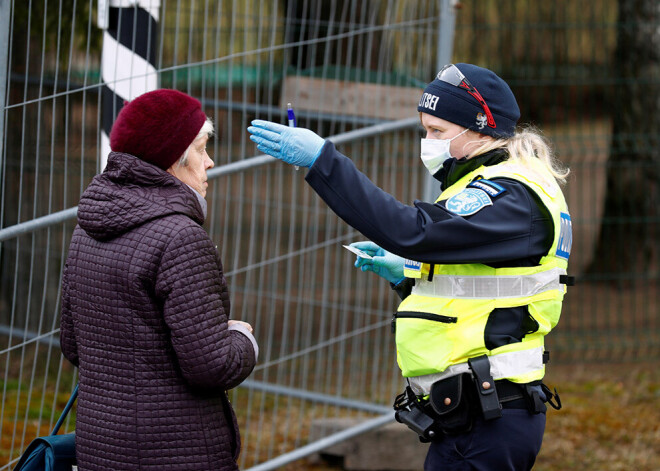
x,y
67,335
195,304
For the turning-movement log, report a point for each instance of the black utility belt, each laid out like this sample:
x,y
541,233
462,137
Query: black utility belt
x,y
455,402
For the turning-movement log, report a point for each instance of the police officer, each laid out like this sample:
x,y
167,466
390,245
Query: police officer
x,y
481,272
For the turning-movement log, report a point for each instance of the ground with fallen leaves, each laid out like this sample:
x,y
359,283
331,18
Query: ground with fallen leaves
x,y
610,420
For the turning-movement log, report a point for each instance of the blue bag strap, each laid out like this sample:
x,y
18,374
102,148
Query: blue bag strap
x,y
66,410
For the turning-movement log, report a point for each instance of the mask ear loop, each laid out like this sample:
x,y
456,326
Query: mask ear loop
x,y
480,142
459,134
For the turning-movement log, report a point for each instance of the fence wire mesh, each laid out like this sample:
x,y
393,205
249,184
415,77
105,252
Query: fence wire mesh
x,y
345,65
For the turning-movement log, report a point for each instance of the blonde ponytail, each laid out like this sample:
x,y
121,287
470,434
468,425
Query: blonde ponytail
x,y
528,143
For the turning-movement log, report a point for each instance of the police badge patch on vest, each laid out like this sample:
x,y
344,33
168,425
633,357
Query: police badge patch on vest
x,y
468,202
476,196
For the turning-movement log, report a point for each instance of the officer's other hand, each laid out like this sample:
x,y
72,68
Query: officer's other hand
x,y
383,263
296,146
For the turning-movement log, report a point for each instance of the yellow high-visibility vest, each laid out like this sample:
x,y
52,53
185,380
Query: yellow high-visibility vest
x,y
441,324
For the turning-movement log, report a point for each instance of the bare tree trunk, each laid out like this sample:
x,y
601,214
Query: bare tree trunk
x,y
628,243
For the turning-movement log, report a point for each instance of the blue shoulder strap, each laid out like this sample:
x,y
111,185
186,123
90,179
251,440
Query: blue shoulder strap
x,y
66,410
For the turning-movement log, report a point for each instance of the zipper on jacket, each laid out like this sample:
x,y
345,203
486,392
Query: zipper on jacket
x,y
422,315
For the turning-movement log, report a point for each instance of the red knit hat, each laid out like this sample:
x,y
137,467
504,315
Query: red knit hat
x,y
158,126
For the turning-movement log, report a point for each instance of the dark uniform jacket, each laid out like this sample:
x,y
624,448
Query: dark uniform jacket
x,y
144,316
516,230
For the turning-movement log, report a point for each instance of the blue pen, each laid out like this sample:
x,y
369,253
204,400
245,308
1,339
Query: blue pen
x,y
292,121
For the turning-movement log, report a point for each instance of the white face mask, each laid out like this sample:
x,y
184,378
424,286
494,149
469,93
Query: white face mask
x,y
434,152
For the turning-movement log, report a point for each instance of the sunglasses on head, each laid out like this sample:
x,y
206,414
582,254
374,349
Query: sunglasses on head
x,y
452,75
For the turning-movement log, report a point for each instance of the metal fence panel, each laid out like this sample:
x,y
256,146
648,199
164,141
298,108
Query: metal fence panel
x,y
564,62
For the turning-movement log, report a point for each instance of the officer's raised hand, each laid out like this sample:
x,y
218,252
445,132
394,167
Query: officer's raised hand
x,y
383,263
296,146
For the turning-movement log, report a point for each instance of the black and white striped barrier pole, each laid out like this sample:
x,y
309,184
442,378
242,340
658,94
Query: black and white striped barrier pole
x,y
128,60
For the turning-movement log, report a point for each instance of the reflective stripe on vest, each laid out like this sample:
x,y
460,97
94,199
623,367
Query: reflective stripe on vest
x,y
504,365
491,287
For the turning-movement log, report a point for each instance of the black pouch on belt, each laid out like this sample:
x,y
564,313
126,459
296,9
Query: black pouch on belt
x,y
452,401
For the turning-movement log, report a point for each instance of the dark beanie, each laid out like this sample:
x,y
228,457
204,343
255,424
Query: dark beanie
x,y
158,126
456,105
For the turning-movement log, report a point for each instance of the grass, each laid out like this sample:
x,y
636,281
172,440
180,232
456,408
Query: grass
x,y
610,421
27,410
38,418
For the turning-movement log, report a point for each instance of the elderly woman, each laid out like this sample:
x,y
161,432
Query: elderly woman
x,y
145,305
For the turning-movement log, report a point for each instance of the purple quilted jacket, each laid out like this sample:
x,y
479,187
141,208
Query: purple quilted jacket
x,y
144,317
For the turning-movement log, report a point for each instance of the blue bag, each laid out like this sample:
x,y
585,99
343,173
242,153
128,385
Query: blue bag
x,y
53,452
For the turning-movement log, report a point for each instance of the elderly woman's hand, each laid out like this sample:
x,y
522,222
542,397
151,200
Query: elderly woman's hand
x,y
241,323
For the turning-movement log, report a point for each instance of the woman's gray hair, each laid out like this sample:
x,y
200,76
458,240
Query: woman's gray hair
x,y
206,130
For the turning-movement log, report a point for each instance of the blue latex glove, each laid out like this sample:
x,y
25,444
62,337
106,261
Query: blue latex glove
x,y
296,146
383,263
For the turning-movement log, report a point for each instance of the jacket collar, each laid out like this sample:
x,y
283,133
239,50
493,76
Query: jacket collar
x,y
454,169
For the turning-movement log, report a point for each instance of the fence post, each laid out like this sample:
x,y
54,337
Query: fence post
x,y
4,79
444,51
4,76
128,63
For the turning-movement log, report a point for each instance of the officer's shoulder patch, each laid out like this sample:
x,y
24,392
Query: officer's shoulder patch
x,y
468,201
492,188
